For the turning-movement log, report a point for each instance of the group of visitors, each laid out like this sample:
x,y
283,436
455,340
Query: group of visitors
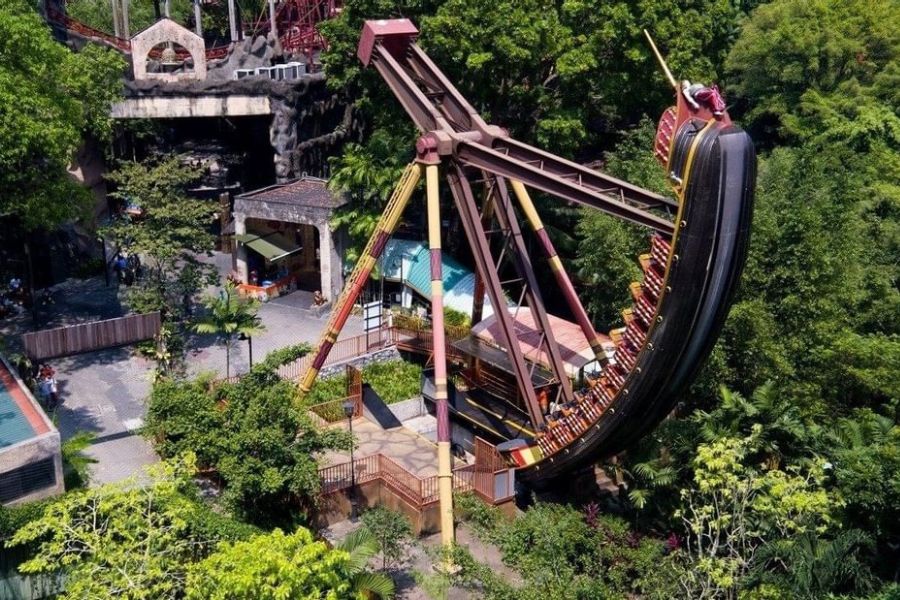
x,y
13,298
127,267
48,389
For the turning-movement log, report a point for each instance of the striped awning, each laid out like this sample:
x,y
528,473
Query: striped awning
x,y
271,246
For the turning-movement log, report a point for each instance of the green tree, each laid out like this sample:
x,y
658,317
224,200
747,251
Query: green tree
x,y
253,433
123,541
793,54
277,565
865,451
391,531
733,508
169,235
230,315
50,98
182,416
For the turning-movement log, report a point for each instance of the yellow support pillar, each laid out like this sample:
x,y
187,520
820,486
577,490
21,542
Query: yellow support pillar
x,y
357,280
445,468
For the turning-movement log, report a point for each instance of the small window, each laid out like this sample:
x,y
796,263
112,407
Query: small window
x,y
26,480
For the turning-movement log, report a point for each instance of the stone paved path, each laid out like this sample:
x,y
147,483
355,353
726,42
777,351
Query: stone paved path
x,y
407,448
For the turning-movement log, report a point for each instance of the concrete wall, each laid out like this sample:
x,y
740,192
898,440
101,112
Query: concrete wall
x,y
30,451
336,507
174,107
408,409
385,355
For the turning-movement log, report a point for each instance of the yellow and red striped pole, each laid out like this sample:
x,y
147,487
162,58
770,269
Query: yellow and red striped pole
x,y
357,280
445,469
562,278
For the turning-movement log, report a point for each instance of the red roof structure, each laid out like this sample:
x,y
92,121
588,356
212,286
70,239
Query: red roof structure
x,y
573,346
307,192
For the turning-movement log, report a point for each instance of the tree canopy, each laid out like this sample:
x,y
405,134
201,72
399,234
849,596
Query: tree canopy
x,y
50,97
253,433
271,567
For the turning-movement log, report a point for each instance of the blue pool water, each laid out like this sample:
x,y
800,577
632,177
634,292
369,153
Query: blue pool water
x,y
14,427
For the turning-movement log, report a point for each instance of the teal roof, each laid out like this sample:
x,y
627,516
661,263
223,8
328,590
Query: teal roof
x,y
459,281
419,276
393,254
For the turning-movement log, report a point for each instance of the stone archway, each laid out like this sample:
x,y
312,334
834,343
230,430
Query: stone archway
x,y
161,32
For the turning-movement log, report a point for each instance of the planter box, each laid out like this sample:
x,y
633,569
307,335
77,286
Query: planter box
x,y
408,409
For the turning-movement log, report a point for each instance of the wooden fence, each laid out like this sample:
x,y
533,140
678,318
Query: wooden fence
x,y
88,337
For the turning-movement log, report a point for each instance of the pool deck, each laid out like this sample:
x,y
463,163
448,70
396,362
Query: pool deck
x,y
20,417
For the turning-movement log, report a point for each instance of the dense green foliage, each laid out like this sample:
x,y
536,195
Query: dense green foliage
x,y
50,98
157,541
393,381
786,486
125,541
273,566
251,434
559,552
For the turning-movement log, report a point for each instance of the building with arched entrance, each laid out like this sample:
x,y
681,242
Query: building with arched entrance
x,y
283,240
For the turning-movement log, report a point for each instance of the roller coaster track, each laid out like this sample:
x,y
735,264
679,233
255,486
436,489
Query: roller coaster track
x,y
296,20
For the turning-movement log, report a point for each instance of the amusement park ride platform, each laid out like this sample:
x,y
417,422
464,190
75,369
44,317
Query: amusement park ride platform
x,y
698,246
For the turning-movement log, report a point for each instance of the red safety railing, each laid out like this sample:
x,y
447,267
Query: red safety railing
x,y
338,477
342,351
419,491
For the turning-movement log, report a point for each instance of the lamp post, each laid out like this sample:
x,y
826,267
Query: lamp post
x,y
249,339
349,410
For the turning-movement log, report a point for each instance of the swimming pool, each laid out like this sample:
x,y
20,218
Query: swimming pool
x,y
19,419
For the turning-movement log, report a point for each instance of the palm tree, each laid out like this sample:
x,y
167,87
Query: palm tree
x,y
811,566
361,545
230,315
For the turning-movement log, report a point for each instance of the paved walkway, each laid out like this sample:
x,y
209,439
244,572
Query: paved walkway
x,y
407,448
105,392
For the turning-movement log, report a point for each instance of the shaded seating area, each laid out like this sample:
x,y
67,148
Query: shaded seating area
x,y
275,277
283,240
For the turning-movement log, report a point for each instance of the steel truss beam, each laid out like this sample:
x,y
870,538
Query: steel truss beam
x,y
471,221
506,216
437,108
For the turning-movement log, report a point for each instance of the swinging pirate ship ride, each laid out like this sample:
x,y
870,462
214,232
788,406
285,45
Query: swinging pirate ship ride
x,y
557,395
